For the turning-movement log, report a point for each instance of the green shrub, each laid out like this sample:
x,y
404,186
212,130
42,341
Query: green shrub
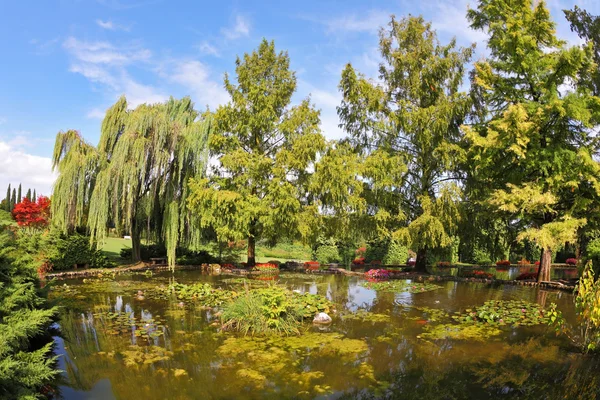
x,y
26,364
327,254
397,254
481,257
65,252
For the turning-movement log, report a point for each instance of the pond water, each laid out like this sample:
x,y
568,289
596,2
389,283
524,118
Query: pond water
x,y
119,344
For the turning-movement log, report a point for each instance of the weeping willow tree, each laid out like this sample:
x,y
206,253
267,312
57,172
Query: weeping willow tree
x,y
136,178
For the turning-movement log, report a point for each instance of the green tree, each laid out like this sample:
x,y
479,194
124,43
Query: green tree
x,y
13,200
263,149
28,196
34,198
533,145
412,117
19,198
8,201
587,26
137,176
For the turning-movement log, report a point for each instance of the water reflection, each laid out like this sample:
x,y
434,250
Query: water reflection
x,y
372,349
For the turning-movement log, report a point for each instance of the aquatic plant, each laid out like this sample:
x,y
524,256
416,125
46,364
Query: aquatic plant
x,y
401,286
271,310
504,312
201,293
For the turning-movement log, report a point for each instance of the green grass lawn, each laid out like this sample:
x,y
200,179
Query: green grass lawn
x,y
112,249
282,252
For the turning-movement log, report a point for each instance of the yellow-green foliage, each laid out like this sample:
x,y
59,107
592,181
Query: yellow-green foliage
x,y
587,304
139,170
264,149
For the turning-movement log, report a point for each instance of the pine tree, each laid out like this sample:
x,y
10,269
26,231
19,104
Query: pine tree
x,y
19,198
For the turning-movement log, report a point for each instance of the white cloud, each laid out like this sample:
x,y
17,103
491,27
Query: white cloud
x,y
33,171
327,101
241,27
105,53
368,22
95,113
104,63
111,26
196,77
207,48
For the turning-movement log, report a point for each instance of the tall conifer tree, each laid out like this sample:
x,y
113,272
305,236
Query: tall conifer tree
x,y
534,144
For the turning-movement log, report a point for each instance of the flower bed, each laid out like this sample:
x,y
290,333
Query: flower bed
x,y
477,273
312,265
377,274
266,268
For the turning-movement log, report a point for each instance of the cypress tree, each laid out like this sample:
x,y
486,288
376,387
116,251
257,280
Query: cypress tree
x,y
34,196
14,199
19,194
28,194
7,205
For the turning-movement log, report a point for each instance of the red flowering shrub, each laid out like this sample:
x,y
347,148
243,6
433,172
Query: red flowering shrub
x,y
524,261
526,276
537,263
377,274
571,261
266,267
477,273
444,264
33,214
359,261
360,252
503,263
227,266
312,265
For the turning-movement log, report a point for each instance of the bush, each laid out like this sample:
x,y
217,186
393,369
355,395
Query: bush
x,y
503,263
312,265
187,257
146,252
67,252
571,261
327,254
397,254
481,257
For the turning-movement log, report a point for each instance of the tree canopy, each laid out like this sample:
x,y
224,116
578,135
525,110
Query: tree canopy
x,y
137,176
533,144
410,121
264,149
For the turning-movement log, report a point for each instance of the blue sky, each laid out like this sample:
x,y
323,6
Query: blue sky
x,y
66,61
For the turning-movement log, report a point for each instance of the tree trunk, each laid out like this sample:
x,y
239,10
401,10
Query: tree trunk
x,y
252,245
544,271
421,263
136,251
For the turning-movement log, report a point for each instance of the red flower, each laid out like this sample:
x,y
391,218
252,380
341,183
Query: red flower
x,y
571,261
503,263
312,265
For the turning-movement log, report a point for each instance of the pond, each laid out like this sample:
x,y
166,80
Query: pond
x,y
120,342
